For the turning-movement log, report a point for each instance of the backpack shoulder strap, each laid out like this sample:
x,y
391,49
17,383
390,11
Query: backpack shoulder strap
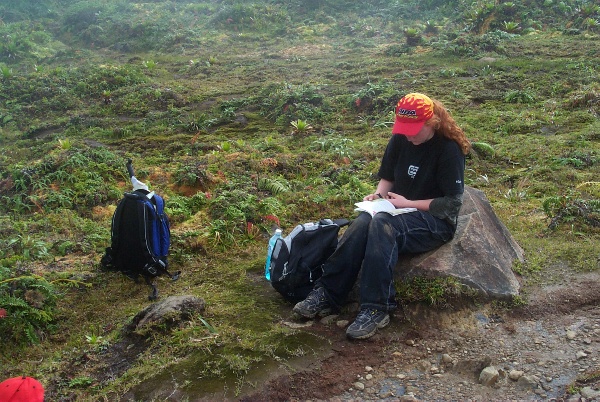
x,y
163,226
159,203
341,222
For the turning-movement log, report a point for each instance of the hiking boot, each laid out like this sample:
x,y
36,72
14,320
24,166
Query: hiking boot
x,y
315,303
366,323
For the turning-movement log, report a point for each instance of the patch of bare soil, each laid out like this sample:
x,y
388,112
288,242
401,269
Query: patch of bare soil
x,y
546,350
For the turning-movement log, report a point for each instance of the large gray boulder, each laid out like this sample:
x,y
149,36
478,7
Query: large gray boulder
x,y
480,256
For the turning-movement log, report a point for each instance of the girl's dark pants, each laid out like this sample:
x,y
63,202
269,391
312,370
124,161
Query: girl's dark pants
x,y
374,244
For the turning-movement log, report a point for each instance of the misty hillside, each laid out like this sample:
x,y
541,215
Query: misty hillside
x,y
247,116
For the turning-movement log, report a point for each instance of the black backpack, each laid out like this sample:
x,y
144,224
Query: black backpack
x,y
297,259
140,238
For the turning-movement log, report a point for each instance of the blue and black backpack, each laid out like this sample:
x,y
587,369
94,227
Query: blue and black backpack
x,y
140,239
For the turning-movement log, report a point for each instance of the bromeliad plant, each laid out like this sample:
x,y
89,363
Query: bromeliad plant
x,y
413,36
6,72
150,64
510,27
301,127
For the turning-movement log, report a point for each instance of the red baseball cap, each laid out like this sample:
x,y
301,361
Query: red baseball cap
x,y
21,389
412,111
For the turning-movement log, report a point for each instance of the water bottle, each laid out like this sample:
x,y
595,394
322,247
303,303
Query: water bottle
x,y
272,240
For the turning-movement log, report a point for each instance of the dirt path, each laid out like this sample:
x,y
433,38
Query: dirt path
x,y
540,352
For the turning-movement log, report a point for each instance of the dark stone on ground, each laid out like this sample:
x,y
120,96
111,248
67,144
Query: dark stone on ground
x,y
166,313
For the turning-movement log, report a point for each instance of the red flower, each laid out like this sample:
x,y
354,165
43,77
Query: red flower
x,y
208,195
3,313
357,102
272,218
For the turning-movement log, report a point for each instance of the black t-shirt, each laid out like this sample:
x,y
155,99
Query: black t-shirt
x,y
433,169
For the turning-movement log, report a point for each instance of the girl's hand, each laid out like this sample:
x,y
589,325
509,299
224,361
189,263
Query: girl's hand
x,y
398,200
372,197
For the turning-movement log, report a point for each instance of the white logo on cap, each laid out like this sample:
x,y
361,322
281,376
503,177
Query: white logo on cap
x,y
407,112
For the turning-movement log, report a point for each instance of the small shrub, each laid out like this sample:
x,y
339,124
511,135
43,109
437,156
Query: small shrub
x,y
80,382
578,160
27,246
396,50
284,103
193,174
569,209
589,9
519,96
483,149
376,97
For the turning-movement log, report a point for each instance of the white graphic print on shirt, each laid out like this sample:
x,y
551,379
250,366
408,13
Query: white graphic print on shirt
x,y
412,171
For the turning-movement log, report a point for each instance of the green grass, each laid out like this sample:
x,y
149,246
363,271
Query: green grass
x,y
204,106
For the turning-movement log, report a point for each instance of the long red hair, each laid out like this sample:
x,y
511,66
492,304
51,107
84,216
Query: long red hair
x,y
444,124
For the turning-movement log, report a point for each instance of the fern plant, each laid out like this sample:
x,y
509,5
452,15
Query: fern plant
x,y
28,304
274,185
518,96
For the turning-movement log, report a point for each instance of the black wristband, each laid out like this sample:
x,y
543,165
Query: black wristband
x,y
379,195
